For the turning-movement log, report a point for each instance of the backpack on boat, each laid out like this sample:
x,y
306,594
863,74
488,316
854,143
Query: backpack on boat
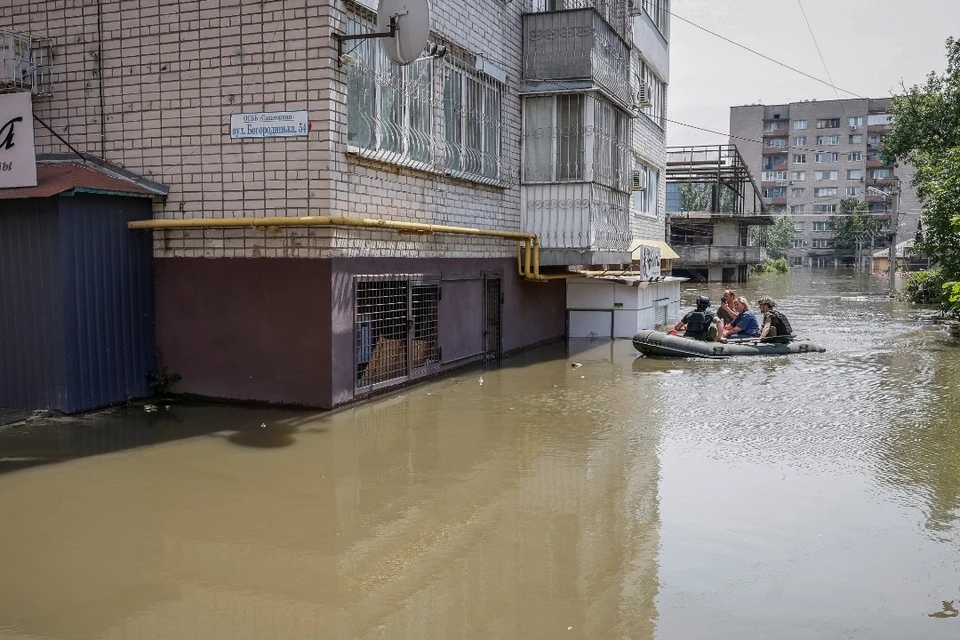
x,y
779,322
698,323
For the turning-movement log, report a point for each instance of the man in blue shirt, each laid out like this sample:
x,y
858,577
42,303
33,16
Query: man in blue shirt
x,y
745,325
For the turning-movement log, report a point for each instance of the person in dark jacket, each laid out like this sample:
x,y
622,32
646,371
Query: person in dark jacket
x,y
701,323
775,324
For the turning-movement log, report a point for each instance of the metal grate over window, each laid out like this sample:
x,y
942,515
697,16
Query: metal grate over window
x,y
396,329
493,301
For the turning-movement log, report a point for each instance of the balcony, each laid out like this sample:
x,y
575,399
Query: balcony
x,y
871,197
880,182
577,223
576,49
775,201
878,128
876,164
776,133
696,256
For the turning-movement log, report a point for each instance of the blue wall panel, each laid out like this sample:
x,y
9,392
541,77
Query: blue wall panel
x,y
31,313
76,303
107,274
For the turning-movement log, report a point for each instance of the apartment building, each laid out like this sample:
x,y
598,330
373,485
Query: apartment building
x,y
811,154
327,223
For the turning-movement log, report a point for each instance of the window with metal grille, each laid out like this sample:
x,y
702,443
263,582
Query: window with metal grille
x,y
396,329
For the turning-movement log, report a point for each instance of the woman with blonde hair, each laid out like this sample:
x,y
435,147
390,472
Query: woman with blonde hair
x,y
745,325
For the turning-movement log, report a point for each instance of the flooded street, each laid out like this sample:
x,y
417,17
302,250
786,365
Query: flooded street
x,y
813,496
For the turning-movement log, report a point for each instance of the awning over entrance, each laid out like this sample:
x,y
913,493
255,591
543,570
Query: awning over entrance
x,y
666,253
67,178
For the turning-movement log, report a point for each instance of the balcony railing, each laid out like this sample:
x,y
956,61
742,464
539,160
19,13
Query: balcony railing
x,y
576,49
614,12
579,217
692,255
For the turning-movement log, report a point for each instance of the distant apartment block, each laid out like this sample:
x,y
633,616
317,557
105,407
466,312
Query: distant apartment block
x,y
809,155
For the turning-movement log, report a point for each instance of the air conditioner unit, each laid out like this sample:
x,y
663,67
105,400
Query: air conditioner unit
x,y
16,60
636,181
854,127
643,97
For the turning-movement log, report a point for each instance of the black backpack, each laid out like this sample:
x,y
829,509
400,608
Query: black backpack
x,y
779,322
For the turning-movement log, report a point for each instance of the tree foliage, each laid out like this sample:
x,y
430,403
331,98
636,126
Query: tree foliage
x,y
926,133
779,238
698,196
853,227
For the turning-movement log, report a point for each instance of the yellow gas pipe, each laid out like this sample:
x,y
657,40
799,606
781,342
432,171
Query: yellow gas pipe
x,y
528,265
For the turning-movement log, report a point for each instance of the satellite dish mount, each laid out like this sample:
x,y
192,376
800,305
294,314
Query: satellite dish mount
x,y
405,24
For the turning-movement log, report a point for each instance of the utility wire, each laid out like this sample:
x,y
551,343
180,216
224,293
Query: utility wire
x,y
766,57
822,59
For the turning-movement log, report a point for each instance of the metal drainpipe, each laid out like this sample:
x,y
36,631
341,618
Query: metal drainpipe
x,y
103,110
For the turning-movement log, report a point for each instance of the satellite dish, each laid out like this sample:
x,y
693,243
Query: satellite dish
x,y
413,28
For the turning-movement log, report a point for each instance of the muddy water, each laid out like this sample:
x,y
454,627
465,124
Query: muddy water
x,y
812,497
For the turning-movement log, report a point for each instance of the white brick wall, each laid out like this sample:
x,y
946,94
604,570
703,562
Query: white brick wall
x,y
649,143
175,70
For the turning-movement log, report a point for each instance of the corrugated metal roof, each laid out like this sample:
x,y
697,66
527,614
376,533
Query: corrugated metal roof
x,y
55,178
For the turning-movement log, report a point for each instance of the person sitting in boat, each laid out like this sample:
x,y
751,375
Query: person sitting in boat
x,y
725,310
702,323
775,324
745,325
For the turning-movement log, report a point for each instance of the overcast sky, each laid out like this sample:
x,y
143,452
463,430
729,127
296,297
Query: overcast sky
x,y
868,45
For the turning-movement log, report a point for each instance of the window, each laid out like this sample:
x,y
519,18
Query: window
x,y
825,175
796,192
797,208
389,110
391,115
874,140
471,114
773,126
771,176
646,201
799,176
878,118
830,141
854,191
770,162
556,141
800,141
854,174
797,243
829,123
823,158
778,143
824,208
856,122
820,226
825,192
796,261
659,11
879,174
657,111
856,138
855,156
775,192
396,329
800,158
874,156
823,243
799,125
798,226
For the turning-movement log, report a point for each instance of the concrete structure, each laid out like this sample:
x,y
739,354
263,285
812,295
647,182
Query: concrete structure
x,y
809,155
246,112
714,212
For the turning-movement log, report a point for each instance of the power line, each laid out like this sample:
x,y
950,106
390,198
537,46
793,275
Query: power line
x,y
766,57
822,59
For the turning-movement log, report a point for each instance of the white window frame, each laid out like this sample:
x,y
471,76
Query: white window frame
x,y
855,156
799,125
820,156
797,192
799,176
874,119
853,192
799,158
800,141
821,225
854,174
825,192
646,202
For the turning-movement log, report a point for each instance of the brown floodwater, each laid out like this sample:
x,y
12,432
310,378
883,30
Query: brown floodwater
x,y
814,496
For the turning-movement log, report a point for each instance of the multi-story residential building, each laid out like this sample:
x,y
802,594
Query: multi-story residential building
x,y
326,222
810,155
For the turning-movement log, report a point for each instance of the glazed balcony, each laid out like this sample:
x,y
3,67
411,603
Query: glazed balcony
x,y
575,49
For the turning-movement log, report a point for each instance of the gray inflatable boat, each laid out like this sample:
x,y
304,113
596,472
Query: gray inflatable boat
x,y
663,345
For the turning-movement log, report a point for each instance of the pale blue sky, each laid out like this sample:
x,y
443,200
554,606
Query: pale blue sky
x,y
869,46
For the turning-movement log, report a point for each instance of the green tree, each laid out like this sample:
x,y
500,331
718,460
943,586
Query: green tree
x,y
779,238
926,133
695,196
853,227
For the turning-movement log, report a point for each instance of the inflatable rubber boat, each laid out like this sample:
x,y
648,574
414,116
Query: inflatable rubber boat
x,y
663,345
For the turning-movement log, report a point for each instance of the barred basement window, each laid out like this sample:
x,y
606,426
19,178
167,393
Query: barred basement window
x,y
396,329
